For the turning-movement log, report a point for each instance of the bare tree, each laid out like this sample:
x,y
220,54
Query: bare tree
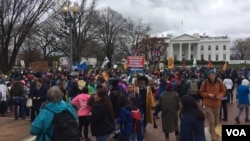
x,y
82,30
241,49
135,31
16,21
153,48
109,28
31,53
43,39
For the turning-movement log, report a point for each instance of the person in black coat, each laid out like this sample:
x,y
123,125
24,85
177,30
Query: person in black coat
x,y
17,95
192,120
38,95
102,119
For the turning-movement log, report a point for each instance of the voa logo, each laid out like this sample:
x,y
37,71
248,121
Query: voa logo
x,y
236,132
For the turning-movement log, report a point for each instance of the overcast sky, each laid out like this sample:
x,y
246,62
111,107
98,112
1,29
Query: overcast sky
x,y
213,17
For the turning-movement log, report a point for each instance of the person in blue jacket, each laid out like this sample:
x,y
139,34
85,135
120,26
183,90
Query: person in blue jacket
x,y
41,126
192,120
244,103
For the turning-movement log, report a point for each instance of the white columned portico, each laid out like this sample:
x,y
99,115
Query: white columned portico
x,y
180,51
189,51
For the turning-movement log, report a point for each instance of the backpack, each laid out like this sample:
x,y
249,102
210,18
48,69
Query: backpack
x,y
193,90
65,126
132,120
136,116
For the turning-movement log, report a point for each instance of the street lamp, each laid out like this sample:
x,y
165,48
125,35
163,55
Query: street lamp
x,y
70,13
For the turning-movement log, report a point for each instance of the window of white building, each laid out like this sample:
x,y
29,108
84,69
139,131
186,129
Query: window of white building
x,y
224,47
202,47
209,57
209,47
224,56
217,57
216,47
202,57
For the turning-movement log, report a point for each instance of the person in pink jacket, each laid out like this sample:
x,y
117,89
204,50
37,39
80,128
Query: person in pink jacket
x,y
81,102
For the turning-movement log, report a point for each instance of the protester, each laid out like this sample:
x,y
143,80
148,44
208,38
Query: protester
x,y
191,120
244,103
26,96
229,86
42,126
4,93
212,90
83,111
169,105
125,120
17,95
147,100
62,88
223,109
38,96
115,93
102,119
192,87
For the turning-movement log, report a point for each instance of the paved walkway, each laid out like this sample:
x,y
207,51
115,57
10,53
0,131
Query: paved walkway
x,y
18,130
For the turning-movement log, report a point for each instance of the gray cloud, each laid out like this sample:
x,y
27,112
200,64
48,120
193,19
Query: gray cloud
x,y
215,17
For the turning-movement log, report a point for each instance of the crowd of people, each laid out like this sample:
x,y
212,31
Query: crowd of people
x,y
107,103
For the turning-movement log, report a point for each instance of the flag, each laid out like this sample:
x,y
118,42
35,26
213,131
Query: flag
x,y
105,62
136,51
157,52
156,55
224,66
209,64
82,67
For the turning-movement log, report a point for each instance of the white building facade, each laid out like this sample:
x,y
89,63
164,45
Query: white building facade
x,y
190,47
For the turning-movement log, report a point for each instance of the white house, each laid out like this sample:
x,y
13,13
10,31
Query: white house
x,y
198,47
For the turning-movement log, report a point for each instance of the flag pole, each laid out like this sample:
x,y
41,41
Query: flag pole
x,y
182,26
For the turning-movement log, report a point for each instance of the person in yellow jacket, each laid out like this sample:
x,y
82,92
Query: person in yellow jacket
x,y
212,90
147,100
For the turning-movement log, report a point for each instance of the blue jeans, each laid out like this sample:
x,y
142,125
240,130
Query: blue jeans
x,y
19,101
102,138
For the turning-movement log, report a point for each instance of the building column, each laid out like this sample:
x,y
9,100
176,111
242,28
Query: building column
x,y
198,54
180,51
171,50
189,52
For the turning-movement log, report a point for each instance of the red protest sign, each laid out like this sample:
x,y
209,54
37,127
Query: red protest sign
x,y
135,61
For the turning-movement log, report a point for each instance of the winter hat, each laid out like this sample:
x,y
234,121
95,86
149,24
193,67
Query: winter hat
x,y
245,82
211,72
